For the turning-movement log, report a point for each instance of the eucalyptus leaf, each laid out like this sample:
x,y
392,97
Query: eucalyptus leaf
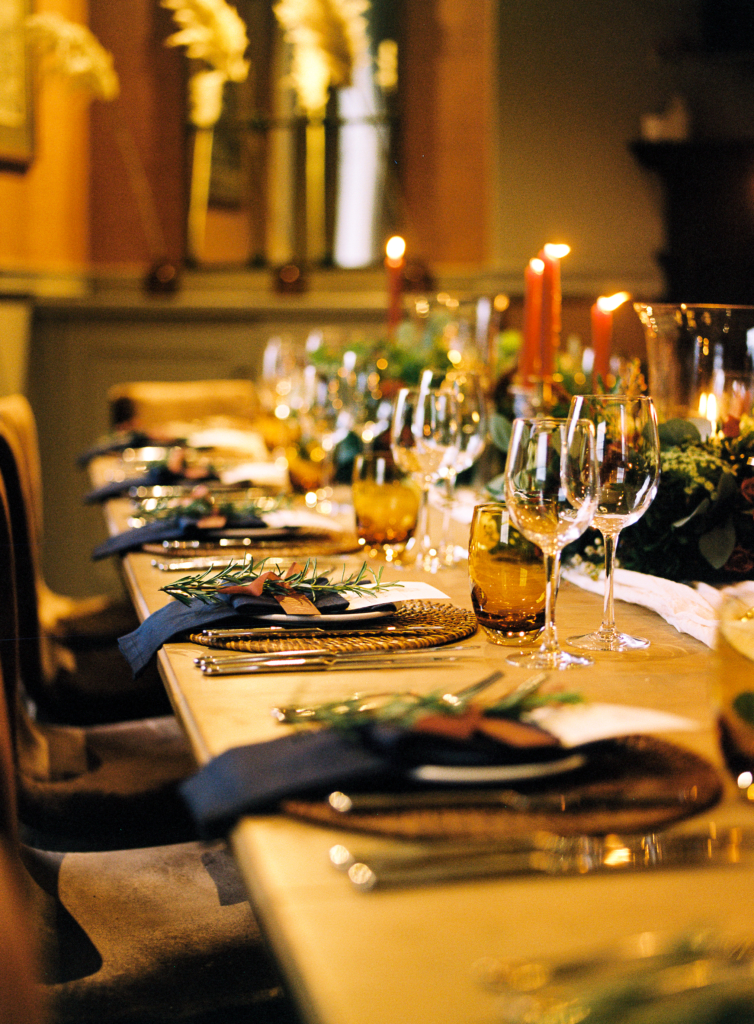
x,y
727,486
700,509
717,545
672,432
496,487
743,705
500,431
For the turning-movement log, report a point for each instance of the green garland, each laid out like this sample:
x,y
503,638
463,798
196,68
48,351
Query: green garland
x,y
701,524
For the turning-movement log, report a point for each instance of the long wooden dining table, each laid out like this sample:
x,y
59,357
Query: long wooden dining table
x,y
420,954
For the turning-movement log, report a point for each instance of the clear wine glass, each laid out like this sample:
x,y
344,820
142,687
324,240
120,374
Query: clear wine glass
x,y
335,411
628,456
551,495
472,437
423,435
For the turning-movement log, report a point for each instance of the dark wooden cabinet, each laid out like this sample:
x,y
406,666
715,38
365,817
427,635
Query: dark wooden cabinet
x,y
709,218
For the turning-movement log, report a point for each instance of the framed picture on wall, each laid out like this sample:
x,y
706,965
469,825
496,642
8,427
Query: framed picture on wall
x,y
16,123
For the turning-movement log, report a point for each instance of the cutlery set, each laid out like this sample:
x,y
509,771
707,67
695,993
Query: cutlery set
x,y
313,660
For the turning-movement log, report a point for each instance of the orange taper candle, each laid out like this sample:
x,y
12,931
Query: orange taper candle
x,y
602,332
394,263
529,363
551,256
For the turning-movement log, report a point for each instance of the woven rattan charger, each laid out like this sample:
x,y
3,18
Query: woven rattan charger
x,y
441,622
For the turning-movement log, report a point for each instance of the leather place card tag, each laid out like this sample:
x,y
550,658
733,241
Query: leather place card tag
x,y
296,604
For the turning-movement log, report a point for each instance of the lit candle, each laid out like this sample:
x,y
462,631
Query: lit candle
x,y
394,264
531,350
602,332
551,256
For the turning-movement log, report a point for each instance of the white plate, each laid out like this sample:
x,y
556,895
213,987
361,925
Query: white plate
x,y
325,619
495,772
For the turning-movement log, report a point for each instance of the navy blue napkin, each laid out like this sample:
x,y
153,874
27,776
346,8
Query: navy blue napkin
x,y
175,528
157,476
116,443
176,619
255,778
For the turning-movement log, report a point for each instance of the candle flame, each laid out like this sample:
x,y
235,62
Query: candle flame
x,y
711,413
537,265
556,251
395,248
609,303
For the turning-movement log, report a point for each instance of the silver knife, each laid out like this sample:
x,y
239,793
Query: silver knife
x,y
187,565
243,658
558,855
327,663
255,632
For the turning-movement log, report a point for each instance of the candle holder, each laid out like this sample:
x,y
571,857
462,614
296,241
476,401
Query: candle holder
x,y
692,351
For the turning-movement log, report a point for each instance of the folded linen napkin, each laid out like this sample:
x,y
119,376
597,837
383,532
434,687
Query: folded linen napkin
x,y
254,778
691,609
175,619
117,443
157,476
180,527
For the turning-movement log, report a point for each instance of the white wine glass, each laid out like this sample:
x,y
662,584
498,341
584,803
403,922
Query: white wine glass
x,y
424,435
551,495
628,457
335,411
472,438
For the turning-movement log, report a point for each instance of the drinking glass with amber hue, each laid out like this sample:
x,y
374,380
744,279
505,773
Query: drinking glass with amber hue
x,y
734,689
507,576
386,504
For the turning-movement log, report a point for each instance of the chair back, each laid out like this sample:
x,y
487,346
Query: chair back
x,y
8,677
18,415
24,586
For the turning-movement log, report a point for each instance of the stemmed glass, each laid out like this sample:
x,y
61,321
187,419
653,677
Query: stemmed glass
x,y
424,434
628,455
551,495
472,437
335,411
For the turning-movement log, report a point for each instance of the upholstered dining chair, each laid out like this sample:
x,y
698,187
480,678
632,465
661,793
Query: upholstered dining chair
x,y
138,936
152,404
80,676
79,787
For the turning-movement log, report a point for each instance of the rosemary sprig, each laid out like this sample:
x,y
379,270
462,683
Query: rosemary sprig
x,y
308,580
403,709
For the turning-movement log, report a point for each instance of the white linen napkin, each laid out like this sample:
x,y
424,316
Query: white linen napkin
x,y
405,591
575,724
691,609
263,474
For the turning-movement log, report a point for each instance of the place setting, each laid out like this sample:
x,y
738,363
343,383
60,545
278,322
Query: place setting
x,y
205,521
489,762
272,605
